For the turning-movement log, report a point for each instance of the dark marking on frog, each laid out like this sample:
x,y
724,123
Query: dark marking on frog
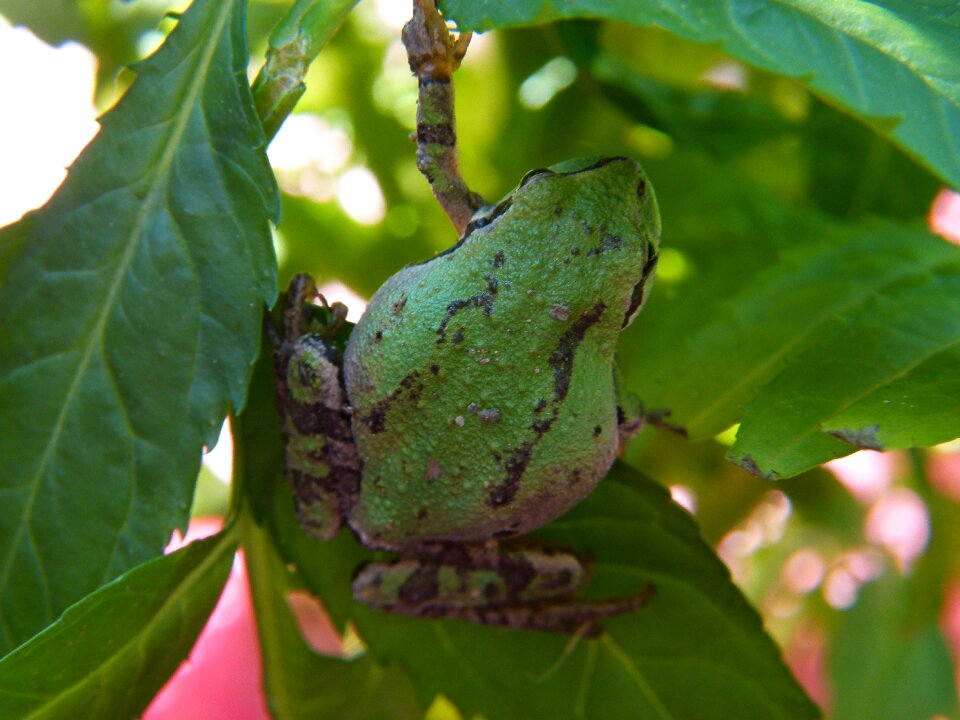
x,y
562,358
641,289
434,369
376,419
457,338
421,585
609,242
541,404
516,573
378,336
422,514
641,188
562,363
505,533
399,304
413,385
484,215
515,466
499,259
575,251
483,299
541,427
318,419
558,210
599,429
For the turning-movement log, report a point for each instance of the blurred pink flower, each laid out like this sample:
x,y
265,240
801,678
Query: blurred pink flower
x,y
221,678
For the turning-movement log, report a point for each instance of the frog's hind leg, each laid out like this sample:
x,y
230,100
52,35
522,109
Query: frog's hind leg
x,y
321,459
527,587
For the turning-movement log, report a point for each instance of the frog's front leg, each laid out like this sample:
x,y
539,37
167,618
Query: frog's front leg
x,y
520,587
434,55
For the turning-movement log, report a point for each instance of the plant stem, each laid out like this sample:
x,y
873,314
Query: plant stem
x,y
294,43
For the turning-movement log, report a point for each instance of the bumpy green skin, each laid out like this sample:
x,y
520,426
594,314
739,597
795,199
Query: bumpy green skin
x,y
482,381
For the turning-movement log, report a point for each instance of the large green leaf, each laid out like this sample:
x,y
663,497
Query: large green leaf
x,y
698,650
895,63
131,320
110,653
787,305
884,376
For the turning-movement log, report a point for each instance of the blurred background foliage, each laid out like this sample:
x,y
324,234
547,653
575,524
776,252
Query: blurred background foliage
x,y
730,149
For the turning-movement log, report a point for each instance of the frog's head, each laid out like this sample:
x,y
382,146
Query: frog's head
x,y
617,188
618,171
594,217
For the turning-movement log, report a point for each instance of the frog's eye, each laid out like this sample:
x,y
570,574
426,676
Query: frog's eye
x,y
533,174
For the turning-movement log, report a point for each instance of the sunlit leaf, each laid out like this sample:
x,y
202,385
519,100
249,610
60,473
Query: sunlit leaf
x,y
131,320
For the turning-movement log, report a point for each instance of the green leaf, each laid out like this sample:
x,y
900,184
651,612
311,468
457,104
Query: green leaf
x,y
110,653
886,664
882,377
131,320
894,63
771,323
301,683
698,650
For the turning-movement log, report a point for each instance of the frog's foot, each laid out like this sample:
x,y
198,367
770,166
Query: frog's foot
x,y
434,55
520,588
302,315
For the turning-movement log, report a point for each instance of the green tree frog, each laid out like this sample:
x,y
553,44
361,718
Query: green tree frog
x,y
478,397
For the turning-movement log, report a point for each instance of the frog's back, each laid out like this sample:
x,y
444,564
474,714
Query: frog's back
x,y
482,380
